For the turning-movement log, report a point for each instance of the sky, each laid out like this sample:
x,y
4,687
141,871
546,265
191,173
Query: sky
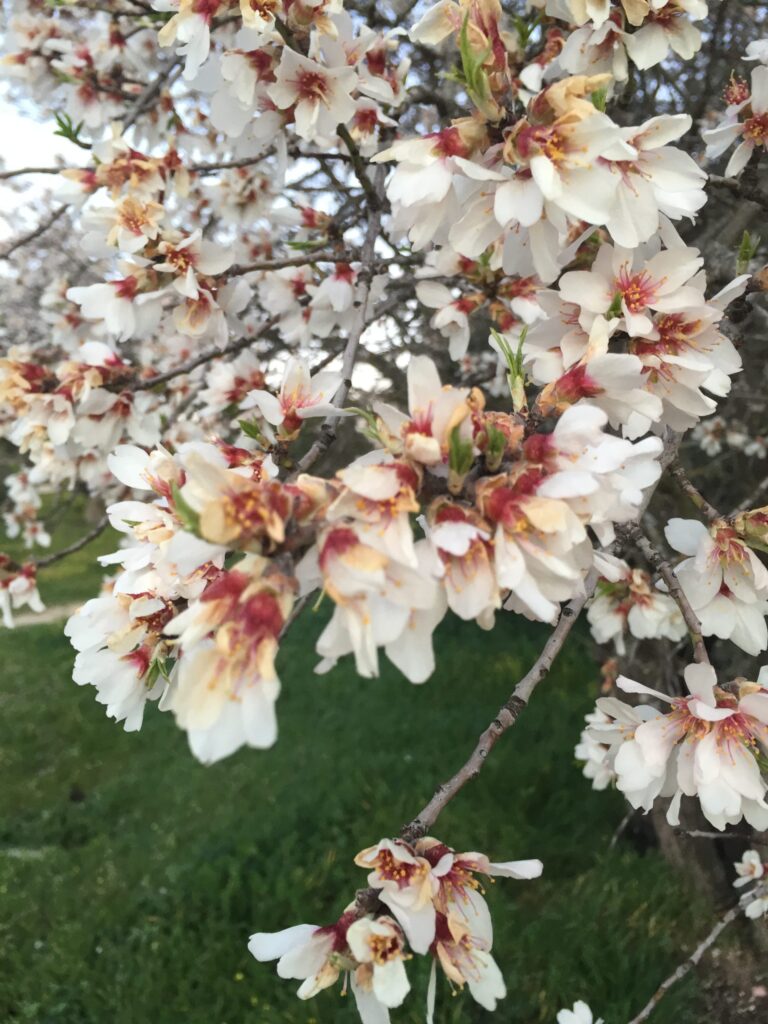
x,y
25,142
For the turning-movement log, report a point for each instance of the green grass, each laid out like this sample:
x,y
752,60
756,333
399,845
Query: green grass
x,y
77,576
131,877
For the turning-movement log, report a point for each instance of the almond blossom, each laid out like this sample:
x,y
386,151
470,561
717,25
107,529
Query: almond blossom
x,y
320,96
724,581
626,602
705,746
301,396
580,1014
752,129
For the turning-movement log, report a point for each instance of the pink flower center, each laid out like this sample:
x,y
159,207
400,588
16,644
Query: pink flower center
x,y
637,290
312,86
756,129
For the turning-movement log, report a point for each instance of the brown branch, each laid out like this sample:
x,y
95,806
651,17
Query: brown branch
x,y
41,228
150,94
686,966
692,492
372,194
505,718
5,175
82,542
633,532
327,434
291,261
741,188
699,834
205,357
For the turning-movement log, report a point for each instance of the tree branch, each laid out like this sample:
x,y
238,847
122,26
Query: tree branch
x,y
692,492
86,539
41,228
686,966
327,434
506,717
741,188
205,357
633,532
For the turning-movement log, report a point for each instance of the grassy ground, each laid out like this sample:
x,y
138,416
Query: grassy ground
x,y
77,576
131,877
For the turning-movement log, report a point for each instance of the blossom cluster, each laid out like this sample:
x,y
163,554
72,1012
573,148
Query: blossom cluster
x,y
223,535
431,904
272,200
710,744
751,870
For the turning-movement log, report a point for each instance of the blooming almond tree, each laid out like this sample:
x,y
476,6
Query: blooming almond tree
x,y
418,309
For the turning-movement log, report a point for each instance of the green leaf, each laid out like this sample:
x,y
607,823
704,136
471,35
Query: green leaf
x,y
615,307
599,99
190,520
460,456
70,131
747,250
252,430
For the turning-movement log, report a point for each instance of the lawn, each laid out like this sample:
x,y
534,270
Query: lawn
x,y
131,877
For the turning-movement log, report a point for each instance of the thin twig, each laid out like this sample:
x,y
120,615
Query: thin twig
x,y
692,492
372,193
667,573
686,966
86,539
5,175
291,261
699,834
327,434
205,357
621,828
506,717
741,188
150,94
41,228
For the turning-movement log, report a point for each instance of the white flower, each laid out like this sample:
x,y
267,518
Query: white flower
x,y
749,869
705,746
724,581
753,130
377,945
407,886
228,686
580,1014
321,95
301,396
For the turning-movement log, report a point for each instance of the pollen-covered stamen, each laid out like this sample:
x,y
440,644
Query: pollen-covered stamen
x,y
403,873
126,288
336,544
181,259
637,290
728,546
264,8
675,332
365,120
737,91
385,948
576,383
450,143
756,129
134,216
312,86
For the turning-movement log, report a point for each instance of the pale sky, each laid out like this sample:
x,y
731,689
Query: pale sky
x,y
23,143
